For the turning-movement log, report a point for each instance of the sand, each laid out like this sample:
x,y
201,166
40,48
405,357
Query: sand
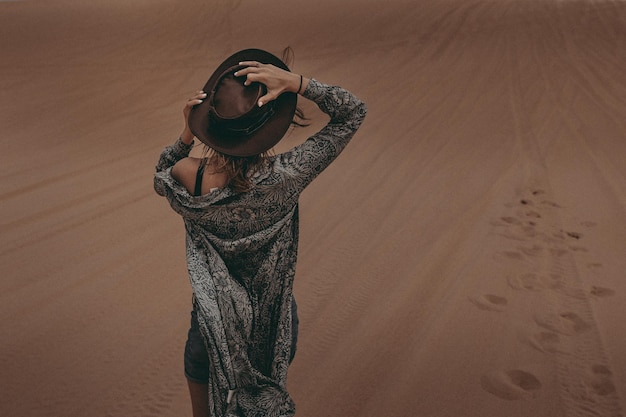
x,y
463,257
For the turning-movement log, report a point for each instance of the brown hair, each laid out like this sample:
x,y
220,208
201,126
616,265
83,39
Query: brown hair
x,y
238,169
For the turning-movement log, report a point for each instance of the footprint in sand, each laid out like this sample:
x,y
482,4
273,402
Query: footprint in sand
x,y
573,322
534,250
533,214
545,342
550,204
507,254
578,248
529,282
574,235
538,192
511,385
496,223
558,252
588,224
599,380
526,202
601,292
511,220
529,231
540,282
535,282
569,290
489,302
567,323
507,221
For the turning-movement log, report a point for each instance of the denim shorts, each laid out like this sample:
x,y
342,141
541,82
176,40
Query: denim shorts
x,y
197,357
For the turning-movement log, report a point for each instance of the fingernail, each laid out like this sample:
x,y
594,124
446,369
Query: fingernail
x,y
260,103
236,74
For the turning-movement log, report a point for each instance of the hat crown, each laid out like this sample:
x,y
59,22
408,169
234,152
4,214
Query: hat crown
x,y
233,110
230,120
231,98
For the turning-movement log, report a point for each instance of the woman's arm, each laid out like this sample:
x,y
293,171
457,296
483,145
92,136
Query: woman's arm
x,y
346,112
179,149
306,161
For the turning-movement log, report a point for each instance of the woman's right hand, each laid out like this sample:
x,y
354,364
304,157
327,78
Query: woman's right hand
x,y
197,98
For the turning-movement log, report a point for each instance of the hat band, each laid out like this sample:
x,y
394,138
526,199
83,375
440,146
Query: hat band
x,y
239,127
255,125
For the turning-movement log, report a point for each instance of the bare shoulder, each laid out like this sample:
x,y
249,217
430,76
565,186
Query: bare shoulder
x,y
184,171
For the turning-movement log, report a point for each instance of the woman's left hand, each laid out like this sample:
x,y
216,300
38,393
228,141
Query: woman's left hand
x,y
277,80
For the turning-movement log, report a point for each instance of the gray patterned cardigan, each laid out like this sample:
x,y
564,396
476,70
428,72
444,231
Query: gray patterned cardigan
x,y
241,257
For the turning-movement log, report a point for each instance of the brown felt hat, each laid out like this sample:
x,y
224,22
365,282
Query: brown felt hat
x,y
229,119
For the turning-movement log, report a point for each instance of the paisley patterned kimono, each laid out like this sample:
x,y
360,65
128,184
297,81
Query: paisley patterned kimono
x,y
241,255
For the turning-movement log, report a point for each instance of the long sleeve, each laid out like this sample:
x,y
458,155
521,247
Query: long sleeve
x,y
241,258
170,155
306,161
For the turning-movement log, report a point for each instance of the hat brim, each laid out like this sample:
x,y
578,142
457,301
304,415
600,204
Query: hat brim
x,y
262,139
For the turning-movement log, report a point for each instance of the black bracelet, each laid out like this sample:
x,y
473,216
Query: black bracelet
x,y
300,87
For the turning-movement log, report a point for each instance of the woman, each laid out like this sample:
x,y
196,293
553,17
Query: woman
x,y
240,209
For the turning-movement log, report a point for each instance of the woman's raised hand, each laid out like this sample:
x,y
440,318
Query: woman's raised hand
x,y
277,80
197,98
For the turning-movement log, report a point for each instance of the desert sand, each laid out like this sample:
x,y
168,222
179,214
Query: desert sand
x,y
463,257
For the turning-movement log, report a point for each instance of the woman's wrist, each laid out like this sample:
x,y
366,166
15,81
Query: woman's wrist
x,y
302,83
186,137
300,86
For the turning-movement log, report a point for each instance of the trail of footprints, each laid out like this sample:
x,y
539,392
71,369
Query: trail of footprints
x,y
565,327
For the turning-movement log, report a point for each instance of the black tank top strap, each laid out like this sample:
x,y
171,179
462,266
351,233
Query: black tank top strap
x,y
198,188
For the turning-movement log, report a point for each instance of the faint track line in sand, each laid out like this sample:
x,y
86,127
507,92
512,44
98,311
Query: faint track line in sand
x,y
89,166
74,326
567,327
104,210
164,393
586,75
75,201
581,348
